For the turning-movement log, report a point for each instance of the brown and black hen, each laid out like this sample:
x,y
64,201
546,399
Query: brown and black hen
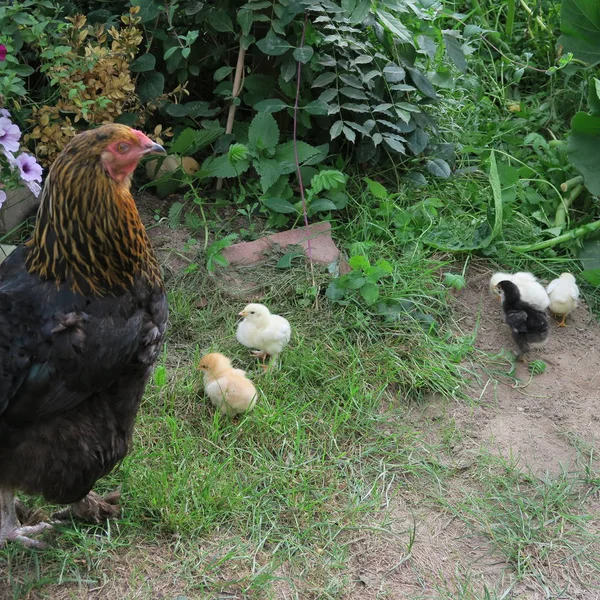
x,y
83,312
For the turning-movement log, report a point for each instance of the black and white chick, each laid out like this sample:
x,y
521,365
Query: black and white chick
x,y
528,325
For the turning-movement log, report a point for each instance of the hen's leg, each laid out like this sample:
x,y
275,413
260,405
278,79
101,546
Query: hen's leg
x,y
93,508
10,528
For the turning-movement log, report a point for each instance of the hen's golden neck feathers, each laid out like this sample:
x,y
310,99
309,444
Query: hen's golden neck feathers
x,y
88,233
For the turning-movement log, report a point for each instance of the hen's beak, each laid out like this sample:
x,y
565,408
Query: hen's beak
x,y
243,314
154,148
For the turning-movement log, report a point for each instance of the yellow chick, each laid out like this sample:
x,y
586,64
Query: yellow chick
x,y
228,389
564,296
530,289
268,333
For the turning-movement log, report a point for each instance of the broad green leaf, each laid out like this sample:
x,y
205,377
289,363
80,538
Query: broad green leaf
x,y
454,280
220,21
324,79
393,73
273,45
145,62
455,51
269,171
438,167
584,149
192,109
594,97
149,9
359,262
189,141
316,107
321,204
286,157
285,262
369,292
220,166
237,153
221,73
353,93
422,83
150,86
394,26
279,205
334,291
417,141
272,105
263,132
349,134
580,27
376,189
304,54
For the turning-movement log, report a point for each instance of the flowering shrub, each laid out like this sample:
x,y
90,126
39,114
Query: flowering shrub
x,y
16,168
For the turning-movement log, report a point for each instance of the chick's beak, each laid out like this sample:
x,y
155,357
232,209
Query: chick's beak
x,y
154,148
243,314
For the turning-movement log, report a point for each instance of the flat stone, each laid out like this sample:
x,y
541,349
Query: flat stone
x,y
5,250
322,246
19,204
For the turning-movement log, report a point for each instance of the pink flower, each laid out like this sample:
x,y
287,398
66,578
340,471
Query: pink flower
x,y
28,168
3,52
2,197
4,113
10,134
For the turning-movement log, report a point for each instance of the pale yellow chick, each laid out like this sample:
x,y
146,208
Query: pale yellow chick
x,y
228,389
564,296
530,289
268,333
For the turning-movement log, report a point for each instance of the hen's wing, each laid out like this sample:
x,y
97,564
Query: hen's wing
x,y
57,348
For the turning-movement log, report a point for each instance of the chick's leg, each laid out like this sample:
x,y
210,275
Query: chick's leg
x,y
562,321
10,528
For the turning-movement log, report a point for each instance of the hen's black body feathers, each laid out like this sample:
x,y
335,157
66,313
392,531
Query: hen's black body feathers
x,y
72,373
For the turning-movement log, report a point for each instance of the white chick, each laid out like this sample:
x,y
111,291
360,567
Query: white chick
x,y
530,289
564,296
228,389
268,333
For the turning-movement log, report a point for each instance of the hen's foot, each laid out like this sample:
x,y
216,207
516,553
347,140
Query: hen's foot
x,y
260,354
93,508
21,535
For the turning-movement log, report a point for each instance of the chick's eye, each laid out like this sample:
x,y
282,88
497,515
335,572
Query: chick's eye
x,y
123,147
251,312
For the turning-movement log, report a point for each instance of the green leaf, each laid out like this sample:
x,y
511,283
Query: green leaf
x,y
220,166
537,367
438,167
237,153
497,193
149,9
393,73
269,171
189,141
455,281
370,292
285,262
285,156
150,86
273,45
279,205
304,54
335,292
175,215
317,107
376,189
263,132
336,129
221,73
145,62
594,97
349,134
359,262
394,26
324,79
455,51
423,84
580,27
327,179
272,105
584,149
192,109
321,204
220,21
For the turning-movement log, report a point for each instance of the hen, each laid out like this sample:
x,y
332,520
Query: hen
x,y
529,326
83,312
268,333
228,389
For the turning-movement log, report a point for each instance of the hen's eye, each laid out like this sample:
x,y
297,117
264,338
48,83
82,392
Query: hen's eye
x,y
123,147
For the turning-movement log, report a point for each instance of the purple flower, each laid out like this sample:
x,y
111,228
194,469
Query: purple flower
x,y
34,187
4,113
28,168
3,52
2,197
10,135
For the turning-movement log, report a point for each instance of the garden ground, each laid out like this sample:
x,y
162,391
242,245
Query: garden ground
x,y
380,462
